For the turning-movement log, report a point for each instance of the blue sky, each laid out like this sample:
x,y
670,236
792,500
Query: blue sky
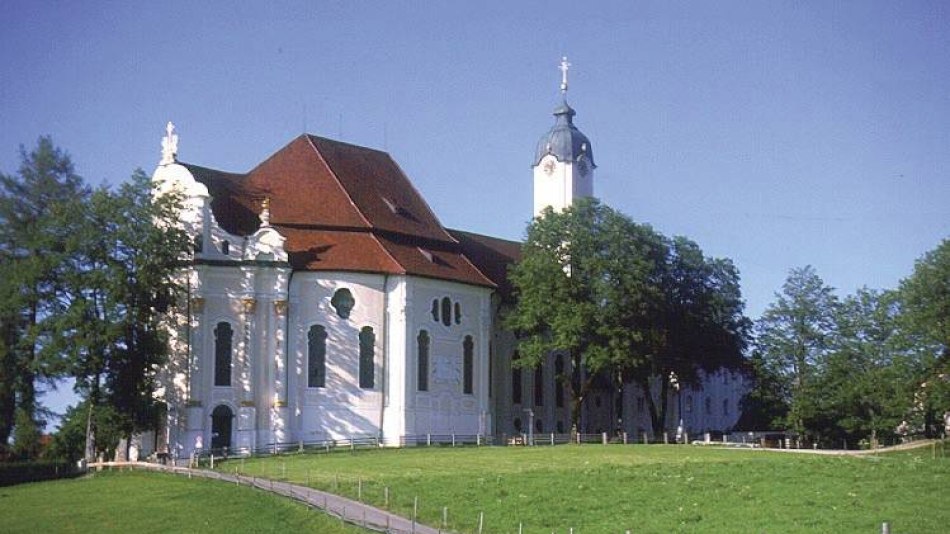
x,y
778,134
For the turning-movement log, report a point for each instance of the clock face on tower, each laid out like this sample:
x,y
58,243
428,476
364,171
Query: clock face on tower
x,y
548,167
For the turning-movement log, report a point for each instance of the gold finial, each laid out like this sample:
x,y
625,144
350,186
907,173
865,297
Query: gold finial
x,y
265,212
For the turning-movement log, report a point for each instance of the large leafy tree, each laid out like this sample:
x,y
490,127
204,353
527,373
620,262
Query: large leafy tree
x,y
122,283
85,277
795,336
70,440
585,275
866,385
765,405
36,238
693,325
625,303
925,296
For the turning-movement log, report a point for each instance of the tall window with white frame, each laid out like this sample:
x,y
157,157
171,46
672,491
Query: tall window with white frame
x,y
367,352
317,357
223,339
468,366
422,363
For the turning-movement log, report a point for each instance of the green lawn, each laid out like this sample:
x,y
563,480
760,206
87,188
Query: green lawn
x,y
153,502
655,488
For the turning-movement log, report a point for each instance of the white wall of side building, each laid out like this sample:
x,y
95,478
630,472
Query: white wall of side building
x,y
444,407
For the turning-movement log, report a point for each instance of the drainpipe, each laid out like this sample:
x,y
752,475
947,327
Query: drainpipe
x,y
383,378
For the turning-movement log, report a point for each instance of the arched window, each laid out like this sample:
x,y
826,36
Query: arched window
x,y
367,352
225,247
317,357
468,365
539,386
538,426
515,379
423,361
343,302
517,424
558,377
223,335
458,313
198,244
435,310
446,311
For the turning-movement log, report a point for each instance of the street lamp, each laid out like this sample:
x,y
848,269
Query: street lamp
x,y
675,384
530,413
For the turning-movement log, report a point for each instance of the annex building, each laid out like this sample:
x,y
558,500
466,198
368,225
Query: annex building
x,y
327,301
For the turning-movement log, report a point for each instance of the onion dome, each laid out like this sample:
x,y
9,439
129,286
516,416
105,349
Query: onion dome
x,y
564,141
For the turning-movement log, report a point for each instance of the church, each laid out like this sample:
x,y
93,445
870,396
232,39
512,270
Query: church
x,y
326,301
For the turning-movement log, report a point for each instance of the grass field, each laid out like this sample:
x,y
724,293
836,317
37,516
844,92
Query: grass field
x,y
153,502
594,488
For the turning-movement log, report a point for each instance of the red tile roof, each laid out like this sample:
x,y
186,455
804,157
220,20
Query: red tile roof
x,y
491,255
348,208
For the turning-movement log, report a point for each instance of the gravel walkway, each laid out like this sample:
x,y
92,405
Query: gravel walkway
x,y
348,510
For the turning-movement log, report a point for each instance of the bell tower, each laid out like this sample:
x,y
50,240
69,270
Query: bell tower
x,y
564,161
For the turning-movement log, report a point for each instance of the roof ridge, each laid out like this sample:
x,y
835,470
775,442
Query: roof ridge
x,y
389,254
191,166
424,201
476,234
338,142
337,180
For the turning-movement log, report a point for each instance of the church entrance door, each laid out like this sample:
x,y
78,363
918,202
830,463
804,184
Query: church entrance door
x,y
221,419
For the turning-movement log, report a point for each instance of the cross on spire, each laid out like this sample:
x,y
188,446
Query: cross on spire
x,y
563,67
169,145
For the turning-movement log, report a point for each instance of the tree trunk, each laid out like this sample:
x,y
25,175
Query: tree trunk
x,y
657,417
27,431
90,453
579,387
7,384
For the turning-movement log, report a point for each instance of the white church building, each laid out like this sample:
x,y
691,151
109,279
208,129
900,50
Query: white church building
x,y
326,301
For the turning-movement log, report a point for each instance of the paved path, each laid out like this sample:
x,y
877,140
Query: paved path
x,y
349,510
849,452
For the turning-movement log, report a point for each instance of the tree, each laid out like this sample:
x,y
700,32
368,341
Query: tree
x,y
693,325
583,277
925,297
625,303
794,337
121,284
35,237
765,405
866,386
69,441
